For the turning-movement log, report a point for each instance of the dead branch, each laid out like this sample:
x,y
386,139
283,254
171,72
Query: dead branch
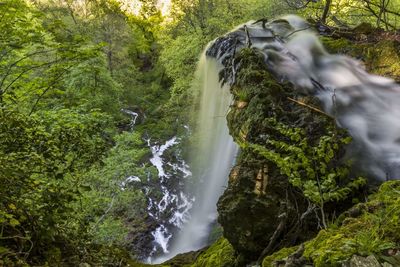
x,y
310,107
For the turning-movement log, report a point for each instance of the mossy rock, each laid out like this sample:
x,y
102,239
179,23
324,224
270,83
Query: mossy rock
x,y
277,256
374,231
249,207
219,254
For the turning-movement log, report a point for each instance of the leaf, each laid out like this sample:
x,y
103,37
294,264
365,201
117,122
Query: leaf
x,y
13,222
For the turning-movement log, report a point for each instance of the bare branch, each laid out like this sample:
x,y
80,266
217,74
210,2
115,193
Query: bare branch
x,y
12,65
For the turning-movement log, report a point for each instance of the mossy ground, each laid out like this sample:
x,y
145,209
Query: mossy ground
x,y
372,228
279,255
221,253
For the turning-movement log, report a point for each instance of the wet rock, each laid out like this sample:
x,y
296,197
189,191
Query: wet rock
x,y
250,217
259,199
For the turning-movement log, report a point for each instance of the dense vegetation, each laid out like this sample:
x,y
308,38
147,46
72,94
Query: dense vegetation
x,y
67,69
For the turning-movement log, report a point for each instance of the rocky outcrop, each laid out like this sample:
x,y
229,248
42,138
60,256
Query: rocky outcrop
x,y
261,210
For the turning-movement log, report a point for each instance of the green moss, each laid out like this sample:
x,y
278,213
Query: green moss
x,y
279,255
132,263
219,254
340,46
385,59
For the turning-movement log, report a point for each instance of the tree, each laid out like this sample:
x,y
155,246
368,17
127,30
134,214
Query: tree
x,y
41,159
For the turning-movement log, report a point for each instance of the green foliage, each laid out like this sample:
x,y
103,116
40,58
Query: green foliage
x,y
313,169
346,13
66,70
90,85
109,232
40,158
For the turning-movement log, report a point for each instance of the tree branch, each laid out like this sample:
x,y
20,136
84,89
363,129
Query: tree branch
x,y
310,107
19,60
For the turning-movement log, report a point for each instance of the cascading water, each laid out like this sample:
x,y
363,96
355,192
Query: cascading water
x,y
216,156
172,209
366,105
213,158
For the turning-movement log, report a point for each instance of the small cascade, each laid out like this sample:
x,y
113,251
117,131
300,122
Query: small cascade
x,y
213,157
134,116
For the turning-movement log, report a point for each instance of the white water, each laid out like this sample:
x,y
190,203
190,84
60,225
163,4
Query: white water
x,y
180,203
368,106
157,152
214,157
129,180
134,116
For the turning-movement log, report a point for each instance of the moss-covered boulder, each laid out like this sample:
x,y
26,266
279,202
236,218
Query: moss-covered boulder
x,y
219,254
262,210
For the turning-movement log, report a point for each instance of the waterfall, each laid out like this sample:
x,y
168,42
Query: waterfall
x,y
366,105
213,156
